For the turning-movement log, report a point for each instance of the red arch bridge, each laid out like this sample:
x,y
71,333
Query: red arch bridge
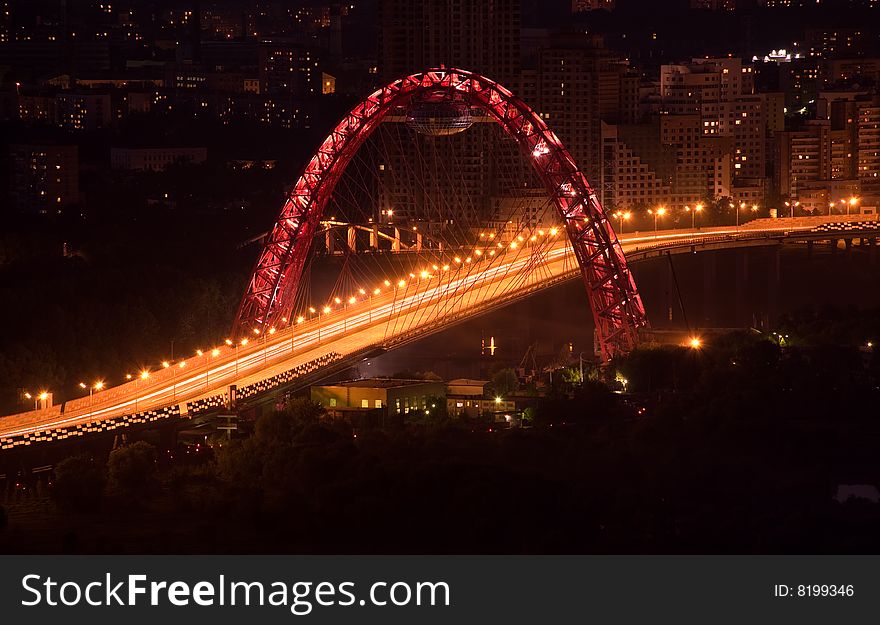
x,y
276,346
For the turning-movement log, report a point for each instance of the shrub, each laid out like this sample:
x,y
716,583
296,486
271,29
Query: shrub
x,y
132,469
79,483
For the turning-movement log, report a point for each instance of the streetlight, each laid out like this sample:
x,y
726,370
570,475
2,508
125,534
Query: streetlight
x,y
266,336
742,206
241,343
622,216
792,205
41,396
697,209
657,213
235,348
214,353
141,378
97,387
695,342
181,364
853,201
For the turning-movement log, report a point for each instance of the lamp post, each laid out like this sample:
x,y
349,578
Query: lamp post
x,y
97,387
167,365
742,206
41,396
181,364
693,211
622,216
326,311
142,377
853,201
265,337
657,213
234,346
241,343
214,353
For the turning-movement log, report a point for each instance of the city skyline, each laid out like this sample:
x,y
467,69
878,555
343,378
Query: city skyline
x,y
263,259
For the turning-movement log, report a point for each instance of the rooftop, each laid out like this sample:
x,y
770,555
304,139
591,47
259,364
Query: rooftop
x,y
382,383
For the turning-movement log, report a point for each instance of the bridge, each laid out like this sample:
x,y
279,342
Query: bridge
x,y
277,342
378,322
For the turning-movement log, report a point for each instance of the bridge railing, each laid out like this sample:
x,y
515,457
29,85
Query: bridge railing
x,y
201,406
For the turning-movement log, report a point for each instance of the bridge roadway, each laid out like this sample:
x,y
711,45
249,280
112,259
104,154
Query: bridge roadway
x,y
391,318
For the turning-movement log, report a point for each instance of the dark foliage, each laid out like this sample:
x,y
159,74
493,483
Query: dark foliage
x,y
79,484
131,471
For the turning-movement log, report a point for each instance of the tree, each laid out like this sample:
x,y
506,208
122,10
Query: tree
x,y
79,483
504,382
132,469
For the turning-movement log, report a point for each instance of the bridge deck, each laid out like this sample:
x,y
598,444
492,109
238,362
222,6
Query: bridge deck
x,y
387,320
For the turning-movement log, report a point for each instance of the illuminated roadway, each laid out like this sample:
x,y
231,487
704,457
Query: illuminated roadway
x,y
396,315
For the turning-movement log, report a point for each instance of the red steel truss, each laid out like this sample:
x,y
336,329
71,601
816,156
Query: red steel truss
x,y
617,308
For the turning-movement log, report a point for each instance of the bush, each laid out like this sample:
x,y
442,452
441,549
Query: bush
x,y
132,469
79,483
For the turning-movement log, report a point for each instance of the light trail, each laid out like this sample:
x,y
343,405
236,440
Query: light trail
x,y
345,330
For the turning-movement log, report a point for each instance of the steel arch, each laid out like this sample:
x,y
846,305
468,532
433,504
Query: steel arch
x,y
617,308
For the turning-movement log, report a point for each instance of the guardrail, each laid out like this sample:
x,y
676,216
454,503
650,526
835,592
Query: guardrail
x,y
214,402
193,408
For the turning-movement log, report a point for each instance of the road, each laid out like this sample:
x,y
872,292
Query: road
x,y
428,301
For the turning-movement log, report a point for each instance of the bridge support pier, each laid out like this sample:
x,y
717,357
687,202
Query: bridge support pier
x,y
742,277
328,242
168,436
352,239
709,273
774,283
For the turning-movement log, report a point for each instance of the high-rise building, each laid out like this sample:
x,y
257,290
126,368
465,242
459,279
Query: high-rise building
x,y
581,84
5,22
83,111
479,36
869,147
287,68
722,92
666,161
836,155
828,43
580,6
714,5
44,178
636,168
805,156
850,70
